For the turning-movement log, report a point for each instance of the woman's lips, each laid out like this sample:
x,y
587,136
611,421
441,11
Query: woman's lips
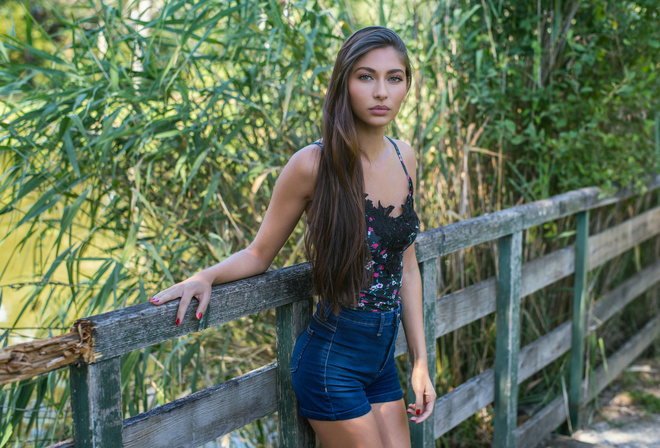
x,y
380,110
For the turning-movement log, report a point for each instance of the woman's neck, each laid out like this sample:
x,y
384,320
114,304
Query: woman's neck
x,y
372,143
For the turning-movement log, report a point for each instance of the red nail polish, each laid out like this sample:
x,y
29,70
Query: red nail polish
x,y
199,315
178,321
419,411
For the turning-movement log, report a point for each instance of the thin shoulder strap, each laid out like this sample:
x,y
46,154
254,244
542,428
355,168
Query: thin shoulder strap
x,y
405,170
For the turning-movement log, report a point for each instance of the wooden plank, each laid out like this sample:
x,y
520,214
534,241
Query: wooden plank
x,y
292,319
461,235
507,340
205,415
610,243
473,395
481,229
96,404
476,301
540,212
534,430
422,435
22,361
452,408
618,361
531,433
549,347
544,350
623,294
122,331
579,317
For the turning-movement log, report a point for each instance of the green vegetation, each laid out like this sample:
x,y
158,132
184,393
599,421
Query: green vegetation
x,y
140,142
649,402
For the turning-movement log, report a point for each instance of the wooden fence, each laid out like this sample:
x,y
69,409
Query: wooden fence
x,y
208,414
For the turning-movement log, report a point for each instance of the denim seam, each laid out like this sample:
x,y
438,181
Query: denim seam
x,y
325,375
325,324
390,349
308,336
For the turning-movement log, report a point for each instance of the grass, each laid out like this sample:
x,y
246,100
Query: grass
x,y
140,145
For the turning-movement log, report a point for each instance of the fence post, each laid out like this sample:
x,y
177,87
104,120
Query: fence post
x,y
507,340
422,435
96,404
579,317
294,430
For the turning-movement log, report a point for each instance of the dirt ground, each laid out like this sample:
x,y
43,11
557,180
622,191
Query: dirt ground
x,y
627,413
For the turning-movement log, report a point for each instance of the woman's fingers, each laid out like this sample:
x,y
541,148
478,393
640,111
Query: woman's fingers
x,y
204,299
423,406
429,403
186,291
171,293
186,297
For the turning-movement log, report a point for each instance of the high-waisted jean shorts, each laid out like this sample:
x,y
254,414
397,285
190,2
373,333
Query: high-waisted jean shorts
x,y
344,363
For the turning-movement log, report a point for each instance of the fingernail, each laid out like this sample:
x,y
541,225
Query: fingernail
x,y
419,411
199,315
178,321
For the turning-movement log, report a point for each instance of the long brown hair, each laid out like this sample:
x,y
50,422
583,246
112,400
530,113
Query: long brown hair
x,y
336,237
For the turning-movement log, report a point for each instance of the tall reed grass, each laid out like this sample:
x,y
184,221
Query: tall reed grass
x,y
141,141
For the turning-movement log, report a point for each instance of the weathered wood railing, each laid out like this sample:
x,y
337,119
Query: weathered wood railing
x,y
218,410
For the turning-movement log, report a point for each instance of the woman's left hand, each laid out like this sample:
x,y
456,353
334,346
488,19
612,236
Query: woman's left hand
x,y
424,395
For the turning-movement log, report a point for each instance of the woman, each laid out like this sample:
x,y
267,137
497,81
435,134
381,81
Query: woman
x,y
362,254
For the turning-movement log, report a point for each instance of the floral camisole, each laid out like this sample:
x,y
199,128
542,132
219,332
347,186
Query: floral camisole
x,y
387,237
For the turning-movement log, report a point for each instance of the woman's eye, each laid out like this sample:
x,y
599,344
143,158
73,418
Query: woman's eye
x,y
364,76
396,79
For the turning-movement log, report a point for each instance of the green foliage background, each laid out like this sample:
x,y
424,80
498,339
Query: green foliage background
x,y
140,142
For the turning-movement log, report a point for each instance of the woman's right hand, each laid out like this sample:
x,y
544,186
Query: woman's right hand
x,y
197,286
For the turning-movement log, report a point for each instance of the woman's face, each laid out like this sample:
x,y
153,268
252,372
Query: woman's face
x,y
377,87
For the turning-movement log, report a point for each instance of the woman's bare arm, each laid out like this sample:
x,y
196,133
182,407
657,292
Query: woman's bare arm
x,y
413,318
293,191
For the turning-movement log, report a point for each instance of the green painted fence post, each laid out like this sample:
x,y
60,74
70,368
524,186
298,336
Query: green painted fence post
x,y
507,340
422,435
579,317
294,430
657,141
96,404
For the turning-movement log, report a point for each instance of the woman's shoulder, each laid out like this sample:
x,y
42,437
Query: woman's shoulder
x,y
306,160
407,153
302,168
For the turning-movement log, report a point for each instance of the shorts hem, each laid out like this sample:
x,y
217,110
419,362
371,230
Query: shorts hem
x,y
387,397
359,411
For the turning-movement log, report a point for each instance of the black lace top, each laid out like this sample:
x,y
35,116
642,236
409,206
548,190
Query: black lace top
x,y
388,237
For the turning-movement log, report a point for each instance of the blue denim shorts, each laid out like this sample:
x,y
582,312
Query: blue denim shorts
x,y
343,363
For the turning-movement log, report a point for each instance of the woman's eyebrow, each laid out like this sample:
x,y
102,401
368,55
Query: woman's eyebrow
x,y
371,70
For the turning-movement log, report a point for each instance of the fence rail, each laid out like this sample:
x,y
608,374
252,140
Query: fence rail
x,y
208,414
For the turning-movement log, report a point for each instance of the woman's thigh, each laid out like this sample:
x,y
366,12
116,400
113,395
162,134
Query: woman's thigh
x,y
392,421
385,426
359,432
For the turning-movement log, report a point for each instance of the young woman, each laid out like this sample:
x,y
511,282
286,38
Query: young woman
x,y
362,254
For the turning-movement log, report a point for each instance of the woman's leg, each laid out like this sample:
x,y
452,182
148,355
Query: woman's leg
x,y
385,426
392,421
360,432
